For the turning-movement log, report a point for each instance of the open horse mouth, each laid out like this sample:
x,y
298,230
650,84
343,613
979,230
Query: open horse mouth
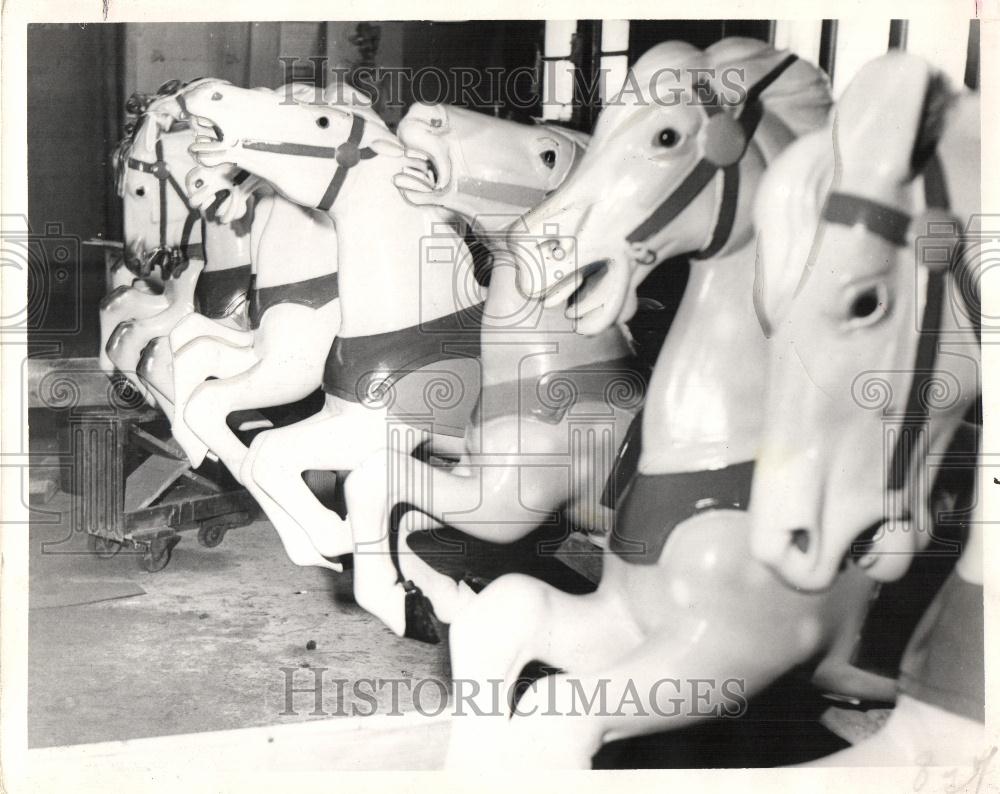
x,y
425,170
575,285
208,126
860,551
590,277
200,123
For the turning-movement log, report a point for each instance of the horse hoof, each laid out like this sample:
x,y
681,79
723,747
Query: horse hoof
x,y
419,616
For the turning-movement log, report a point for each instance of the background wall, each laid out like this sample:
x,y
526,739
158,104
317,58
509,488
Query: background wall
x,y
74,120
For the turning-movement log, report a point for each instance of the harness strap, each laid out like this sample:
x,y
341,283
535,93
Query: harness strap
x,y
655,505
726,142
173,261
502,192
896,228
917,410
347,155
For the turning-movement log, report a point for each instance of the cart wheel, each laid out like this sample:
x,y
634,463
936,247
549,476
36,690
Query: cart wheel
x,y
211,533
103,547
157,554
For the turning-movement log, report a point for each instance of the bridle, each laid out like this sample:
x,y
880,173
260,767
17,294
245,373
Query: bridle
x,y
171,259
900,229
511,194
726,141
347,155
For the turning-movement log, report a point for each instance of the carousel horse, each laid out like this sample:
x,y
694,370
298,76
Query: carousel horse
x,y
293,314
409,328
680,597
872,303
538,374
137,279
217,304
211,275
161,232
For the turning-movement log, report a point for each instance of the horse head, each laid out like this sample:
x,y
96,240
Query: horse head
x,y
873,314
301,140
671,169
488,170
150,167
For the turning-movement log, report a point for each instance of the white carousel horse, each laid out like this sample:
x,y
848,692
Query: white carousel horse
x,y
217,303
162,234
135,285
293,314
680,596
219,265
522,460
401,318
874,312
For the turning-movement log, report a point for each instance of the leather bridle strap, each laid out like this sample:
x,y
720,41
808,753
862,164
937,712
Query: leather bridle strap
x,y
726,142
896,228
509,193
161,171
347,155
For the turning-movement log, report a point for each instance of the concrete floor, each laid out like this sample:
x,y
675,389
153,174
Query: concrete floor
x,y
203,647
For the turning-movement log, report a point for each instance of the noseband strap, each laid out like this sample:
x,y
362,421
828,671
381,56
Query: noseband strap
x,y
172,260
347,155
897,228
726,142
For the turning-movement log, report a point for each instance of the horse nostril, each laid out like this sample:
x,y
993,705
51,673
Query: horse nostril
x,y
554,249
800,539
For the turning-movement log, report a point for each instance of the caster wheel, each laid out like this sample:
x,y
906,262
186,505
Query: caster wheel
x,y
211,533
105,548
157,555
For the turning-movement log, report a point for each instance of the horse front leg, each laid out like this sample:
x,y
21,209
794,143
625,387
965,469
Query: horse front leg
x,y
329,441
196,325
372,493
202,358
120,305
155,370
266,383
516,620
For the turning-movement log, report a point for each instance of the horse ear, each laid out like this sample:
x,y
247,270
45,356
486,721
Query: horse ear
x,y
877,155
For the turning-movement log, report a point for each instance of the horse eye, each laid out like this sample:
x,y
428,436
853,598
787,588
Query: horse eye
x,y
323,122
668,138
140,191
216,96
866,304
549,158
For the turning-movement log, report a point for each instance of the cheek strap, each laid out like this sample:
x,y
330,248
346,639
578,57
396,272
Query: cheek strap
x,y
725,141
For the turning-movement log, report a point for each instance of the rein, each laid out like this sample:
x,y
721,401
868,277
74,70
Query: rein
x,y
172,260
897,228
727,140
348,154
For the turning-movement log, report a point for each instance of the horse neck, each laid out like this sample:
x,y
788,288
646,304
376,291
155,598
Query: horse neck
x,y
397,261
703,408
296,244
224,247
521,338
